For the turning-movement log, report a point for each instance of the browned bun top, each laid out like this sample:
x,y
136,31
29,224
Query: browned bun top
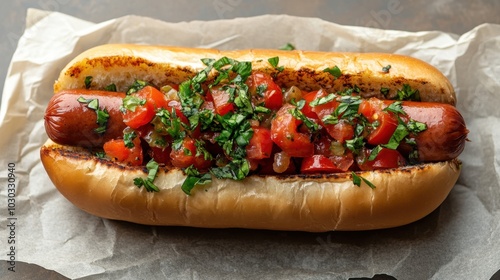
x,y
160,65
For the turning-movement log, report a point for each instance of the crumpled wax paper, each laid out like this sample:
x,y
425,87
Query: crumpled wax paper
x,y
460,240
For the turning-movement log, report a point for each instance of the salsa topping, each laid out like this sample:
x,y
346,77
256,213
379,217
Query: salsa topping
x,y
229,121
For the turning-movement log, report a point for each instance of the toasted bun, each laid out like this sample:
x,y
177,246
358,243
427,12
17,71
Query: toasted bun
x,y
306,203
121,64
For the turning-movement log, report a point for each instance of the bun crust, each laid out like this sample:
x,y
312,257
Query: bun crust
x,y
160,65
306,203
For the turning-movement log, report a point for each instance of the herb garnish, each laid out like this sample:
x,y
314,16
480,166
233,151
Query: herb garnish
x,y
386,68
110,87
147,183
287,47
407,93
356,179
102,114
334,71
234,130
194,178
136,86
88,82
274,61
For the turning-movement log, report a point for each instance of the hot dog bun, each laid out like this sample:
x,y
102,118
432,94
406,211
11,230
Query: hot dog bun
x,y
298,202
303,203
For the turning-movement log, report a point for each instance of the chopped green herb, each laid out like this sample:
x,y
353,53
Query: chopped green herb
x,y
356,179
131,102
128,139
375,151
311,125
100,154
274,61
416,127
287,47
355,144
136,86
399,134
386,68
194,178
261,89
236,170
102,115
334,71
407,93
147,183
396,108
110,87
88,82
323,100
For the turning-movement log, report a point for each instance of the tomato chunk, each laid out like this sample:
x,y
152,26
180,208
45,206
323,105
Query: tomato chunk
x,y
150,99
117,150
221,100
317,164
386,122
386,158
262,85
260,145
340,131
307,109
186,156
284,133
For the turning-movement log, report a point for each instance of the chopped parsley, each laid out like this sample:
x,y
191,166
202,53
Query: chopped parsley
x,y
287,47
274,61
136,86
407,93
356,179
102,114
386,68
110,87
334,71
194,178
147,183
88,82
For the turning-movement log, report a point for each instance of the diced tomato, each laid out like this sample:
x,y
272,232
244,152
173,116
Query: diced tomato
x,y
260,145
386,158
222,103
160,155
154,96
340,131
284,133
178,110
117,150
143,114
185,156
321,163
387,123
317,164
263,84
307,109
344,162
326,109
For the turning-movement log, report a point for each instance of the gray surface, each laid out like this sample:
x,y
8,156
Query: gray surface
x,y
445,15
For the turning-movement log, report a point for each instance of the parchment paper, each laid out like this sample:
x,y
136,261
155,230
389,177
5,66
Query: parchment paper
x,y
460,240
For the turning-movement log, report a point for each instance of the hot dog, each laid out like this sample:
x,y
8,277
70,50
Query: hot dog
x,y
255,139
